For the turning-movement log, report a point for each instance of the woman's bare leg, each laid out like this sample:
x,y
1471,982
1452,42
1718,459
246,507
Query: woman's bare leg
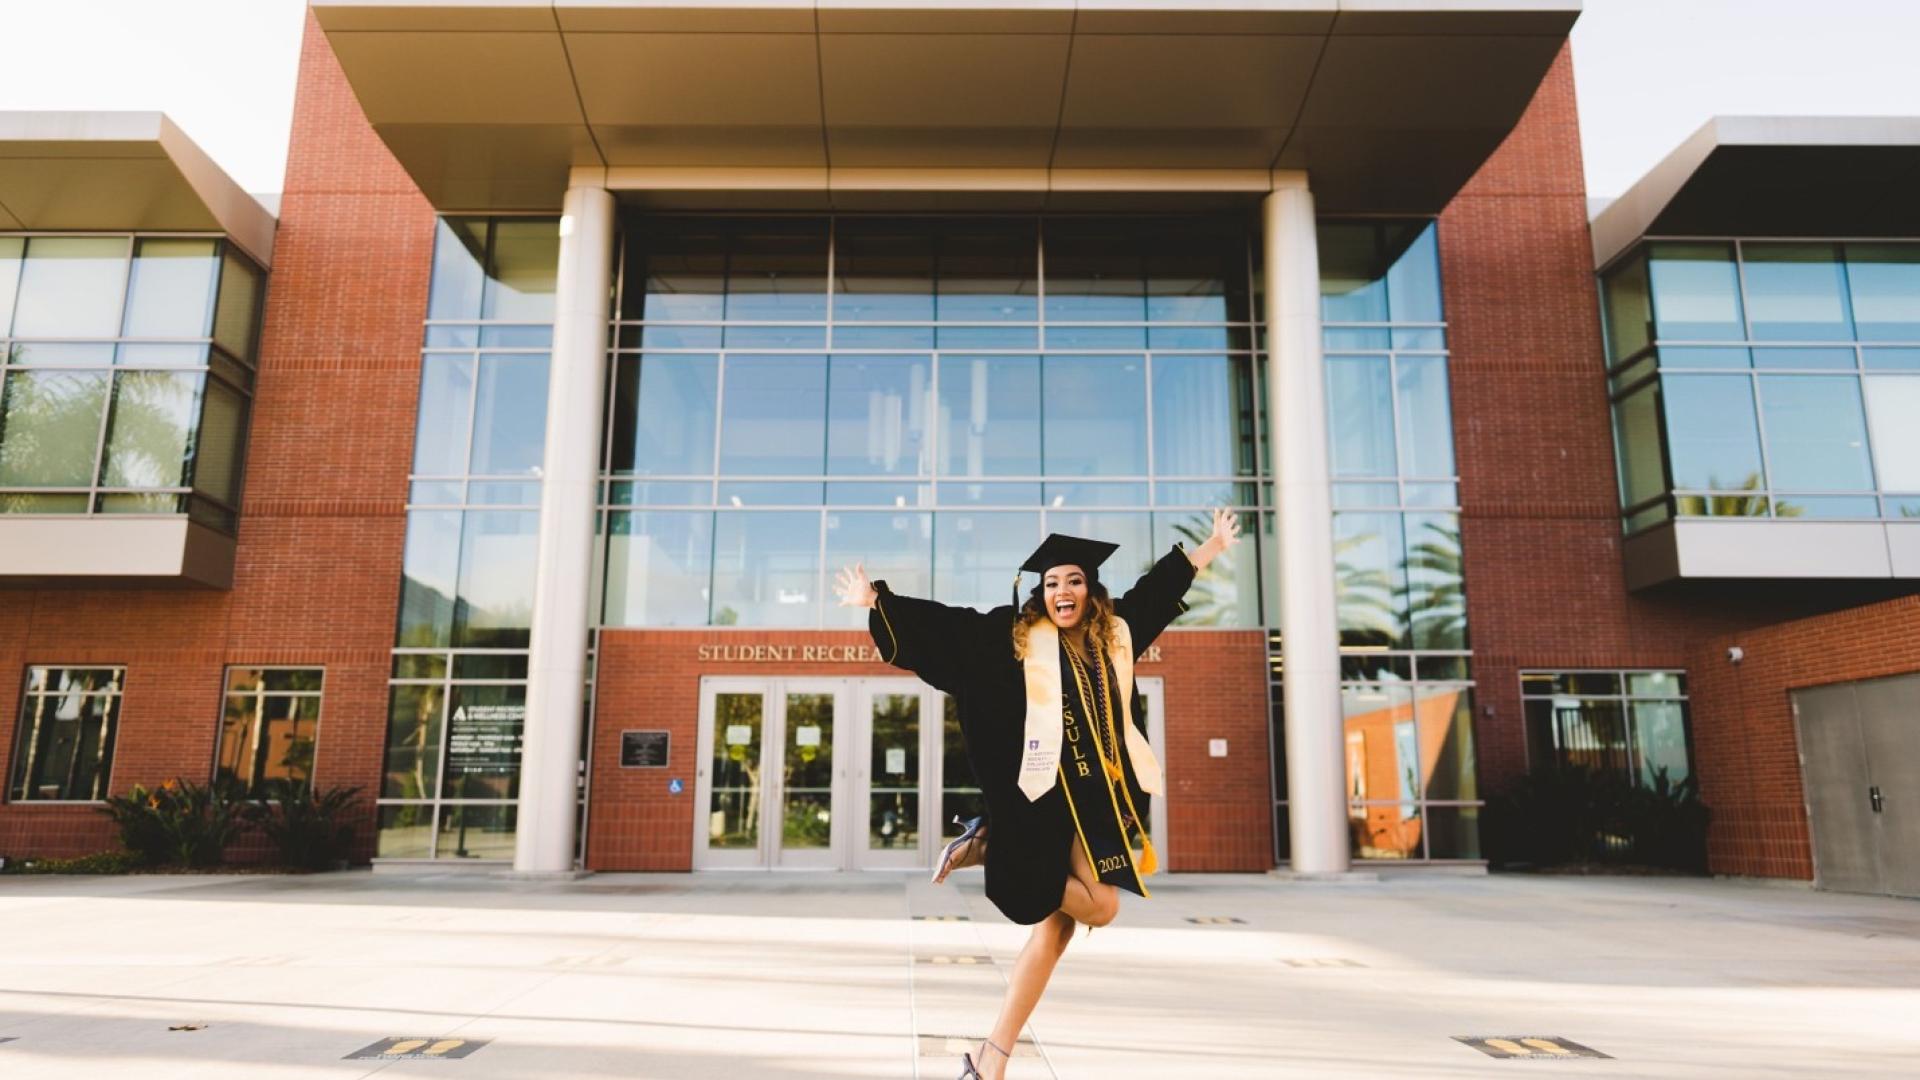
x,y
1031,970
1084,899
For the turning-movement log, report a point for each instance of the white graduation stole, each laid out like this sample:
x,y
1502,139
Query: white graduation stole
x,y
1040,758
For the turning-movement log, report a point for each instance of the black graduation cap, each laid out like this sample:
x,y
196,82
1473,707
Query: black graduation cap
x,y
1058,549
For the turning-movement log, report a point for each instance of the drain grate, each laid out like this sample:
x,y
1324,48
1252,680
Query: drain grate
x,y
962,961
1535,1047
1216,920
415,1048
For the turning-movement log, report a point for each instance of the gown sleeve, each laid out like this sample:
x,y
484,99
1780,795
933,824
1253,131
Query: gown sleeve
x,y
1154,601
931,640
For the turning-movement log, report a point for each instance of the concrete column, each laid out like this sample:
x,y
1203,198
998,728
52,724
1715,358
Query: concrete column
x,y
1309,637
556,675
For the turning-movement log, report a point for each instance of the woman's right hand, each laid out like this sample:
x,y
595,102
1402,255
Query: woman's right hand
x,y
853,587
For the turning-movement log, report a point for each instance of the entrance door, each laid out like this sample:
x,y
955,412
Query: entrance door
x,y
1860,748
771,778
894,769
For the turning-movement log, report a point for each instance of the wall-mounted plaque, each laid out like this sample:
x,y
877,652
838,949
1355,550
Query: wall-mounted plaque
x,y
643,749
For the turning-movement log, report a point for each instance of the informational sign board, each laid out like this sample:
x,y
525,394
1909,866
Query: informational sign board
x,y
485,739
739,734
896,760
644,749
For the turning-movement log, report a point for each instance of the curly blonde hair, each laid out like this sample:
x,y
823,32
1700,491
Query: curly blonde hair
x,y
1099,621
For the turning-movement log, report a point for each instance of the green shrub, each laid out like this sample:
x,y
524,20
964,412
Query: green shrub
x,y
105,862
305,826
179,823
1580,815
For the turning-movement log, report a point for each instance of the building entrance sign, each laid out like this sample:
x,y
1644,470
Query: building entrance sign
x,y
485,739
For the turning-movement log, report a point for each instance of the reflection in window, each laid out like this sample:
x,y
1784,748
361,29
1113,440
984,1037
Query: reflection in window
x,y
1202,416
1712,433
63,742
773,419
990,415
494,605
896,547
1884,287
50,429
1094,415
877,415
171,291
1816,433
71,287
766,569
1696,293
657,568
1796,292
1632,724
663,415
510,416
150,432
268,728
973,554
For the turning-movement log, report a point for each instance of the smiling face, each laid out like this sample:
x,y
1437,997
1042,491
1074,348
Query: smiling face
x,y
1063,590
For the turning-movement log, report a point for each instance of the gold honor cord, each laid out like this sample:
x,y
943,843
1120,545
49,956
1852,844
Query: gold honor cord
x,y
1111,768
888,623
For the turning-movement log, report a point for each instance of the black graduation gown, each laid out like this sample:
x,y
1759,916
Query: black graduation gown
x,y
969,655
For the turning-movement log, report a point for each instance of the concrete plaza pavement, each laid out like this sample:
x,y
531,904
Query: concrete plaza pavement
x,y
808,975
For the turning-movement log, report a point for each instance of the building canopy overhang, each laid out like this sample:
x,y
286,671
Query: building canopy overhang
x,y
1772,176
120,171
1388,105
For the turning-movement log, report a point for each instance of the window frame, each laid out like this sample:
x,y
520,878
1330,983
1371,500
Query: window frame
x,y
16,764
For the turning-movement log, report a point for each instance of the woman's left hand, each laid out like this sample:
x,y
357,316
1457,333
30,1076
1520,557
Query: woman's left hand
x,y
1226,533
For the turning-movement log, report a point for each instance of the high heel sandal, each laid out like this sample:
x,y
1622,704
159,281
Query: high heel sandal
x,y
950,854
967,1070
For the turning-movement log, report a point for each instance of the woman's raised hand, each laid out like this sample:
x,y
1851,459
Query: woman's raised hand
x,y
853,587
1226,533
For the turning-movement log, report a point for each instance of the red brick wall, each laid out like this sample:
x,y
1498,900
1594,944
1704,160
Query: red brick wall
x,y
316,580
1753,779
1219,813
1541,522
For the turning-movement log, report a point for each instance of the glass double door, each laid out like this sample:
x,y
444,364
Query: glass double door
x,y
825,773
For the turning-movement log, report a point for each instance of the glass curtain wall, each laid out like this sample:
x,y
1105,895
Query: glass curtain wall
x,y
930,395
1406,688
126,374
458,689
1765,379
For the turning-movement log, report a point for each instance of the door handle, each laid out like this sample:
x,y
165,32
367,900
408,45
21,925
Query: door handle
x,y
1878,800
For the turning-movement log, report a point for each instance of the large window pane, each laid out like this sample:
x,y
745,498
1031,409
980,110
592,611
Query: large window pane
x,y
895,546
1095,272
1660,742
236,317
223,428
268,732
521,269
11,249
1712,436
1629,309
657,568
989,415
1884,285
1369,555
1696,292
883,271
497,560
484,728
1426,416
430,567
1353,265
1636,438
1445,715
171,294
150,435
1196,271
766,569
63,743
664,414
1816,433
1202,416
989,272
459,268
1360,413
71,286
877,416
778,271
773,419
1893,409
1797,292
510,417
1095,410
676,270
1383,763
1413,282
415,719
50,428
975,555
446,405
1436,591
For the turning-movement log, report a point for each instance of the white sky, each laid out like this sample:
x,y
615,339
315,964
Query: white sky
x,y
1649,71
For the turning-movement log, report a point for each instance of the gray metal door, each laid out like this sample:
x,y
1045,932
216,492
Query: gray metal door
x,y
1890,730
1834,764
